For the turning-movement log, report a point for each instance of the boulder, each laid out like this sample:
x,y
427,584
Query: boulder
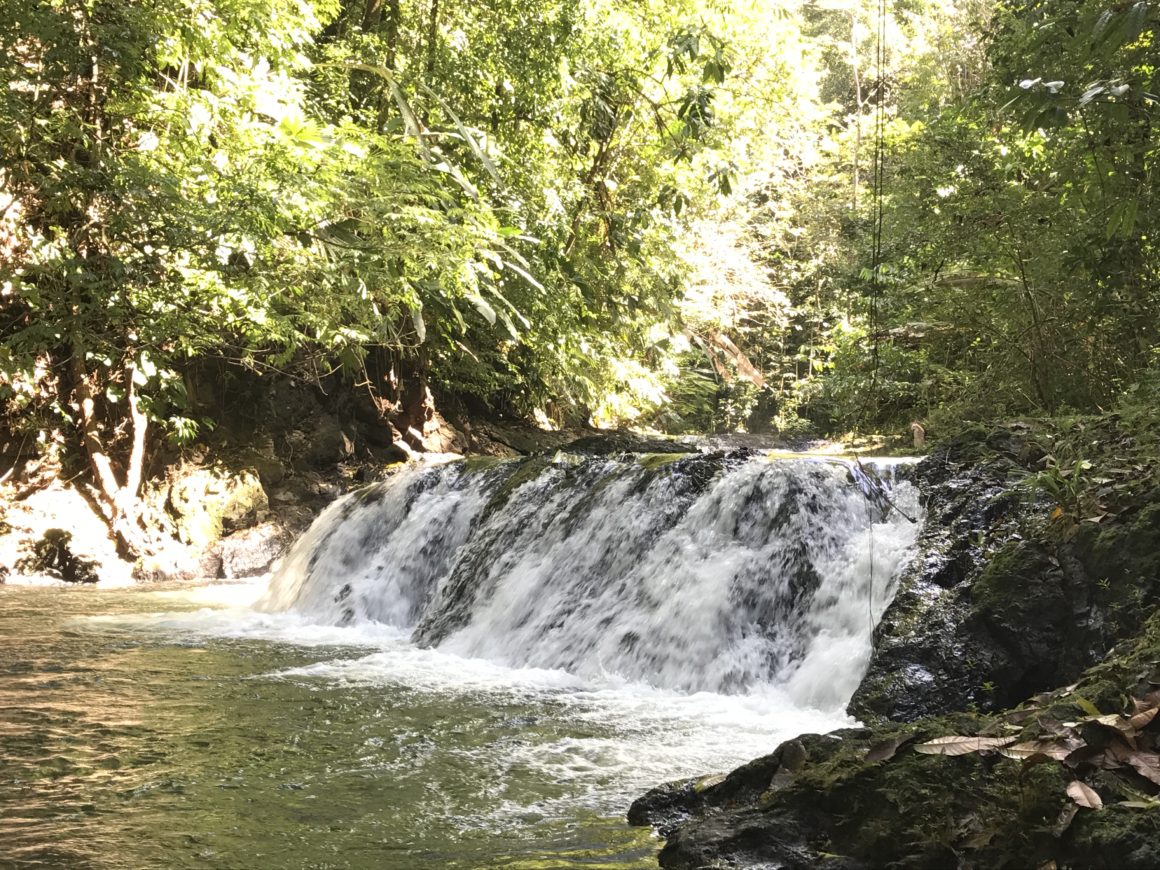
x,y
175,562
251,552
328,443
1000,604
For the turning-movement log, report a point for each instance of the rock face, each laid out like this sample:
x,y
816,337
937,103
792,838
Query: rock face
x,y
1001,604
251,552
859,799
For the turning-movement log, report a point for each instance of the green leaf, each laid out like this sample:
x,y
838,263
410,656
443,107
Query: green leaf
x,y
479,153
420,325
482,306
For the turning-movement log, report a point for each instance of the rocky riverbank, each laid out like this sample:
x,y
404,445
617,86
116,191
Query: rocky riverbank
x,y
1031,617
229,506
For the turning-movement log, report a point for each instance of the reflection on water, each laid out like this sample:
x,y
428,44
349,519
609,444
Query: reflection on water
x,y
218,740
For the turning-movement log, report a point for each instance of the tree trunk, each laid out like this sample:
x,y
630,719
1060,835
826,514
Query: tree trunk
x,y
394,22
372,14
432,41
119,501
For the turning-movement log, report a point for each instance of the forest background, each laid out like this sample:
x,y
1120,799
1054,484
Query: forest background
x,y
805,218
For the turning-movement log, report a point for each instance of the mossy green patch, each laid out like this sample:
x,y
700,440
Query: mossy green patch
x,y
651,461
525,472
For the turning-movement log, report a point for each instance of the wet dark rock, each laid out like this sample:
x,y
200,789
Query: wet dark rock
x,y
999,606
666,805
867,798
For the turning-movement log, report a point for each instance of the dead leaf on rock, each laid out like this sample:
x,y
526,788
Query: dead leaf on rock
x,y
1085,754
1142,718
1147,764
1018,717
1051,749
1084,795
962,745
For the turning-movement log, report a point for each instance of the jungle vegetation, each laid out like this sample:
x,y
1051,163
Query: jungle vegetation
x,y
800,216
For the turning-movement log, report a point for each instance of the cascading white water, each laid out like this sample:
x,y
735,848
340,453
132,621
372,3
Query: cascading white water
x,y
706,573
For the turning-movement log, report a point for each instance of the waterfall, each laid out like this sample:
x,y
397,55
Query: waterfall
x,y
726,573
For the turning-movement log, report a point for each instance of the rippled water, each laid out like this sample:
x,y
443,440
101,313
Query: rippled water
x,y
177,728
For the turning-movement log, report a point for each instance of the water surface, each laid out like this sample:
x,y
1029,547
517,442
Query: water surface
x,y
466,667
146,729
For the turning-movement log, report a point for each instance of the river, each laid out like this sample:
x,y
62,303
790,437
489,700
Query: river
x,y
241,726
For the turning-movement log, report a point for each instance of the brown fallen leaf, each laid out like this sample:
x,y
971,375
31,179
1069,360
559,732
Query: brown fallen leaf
x,y
1115,720
1018,717
1052,749
1147,764
1084,795
1119,751
1084,754
1141,719
1139,706
962,745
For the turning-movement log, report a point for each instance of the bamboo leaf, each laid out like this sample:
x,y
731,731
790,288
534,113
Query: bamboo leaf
x,y
482,306
420,325
525,274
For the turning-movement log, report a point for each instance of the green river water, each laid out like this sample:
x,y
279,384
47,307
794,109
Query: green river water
x,y
175,728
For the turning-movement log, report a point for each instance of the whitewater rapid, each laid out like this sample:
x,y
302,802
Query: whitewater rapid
x,y
724,574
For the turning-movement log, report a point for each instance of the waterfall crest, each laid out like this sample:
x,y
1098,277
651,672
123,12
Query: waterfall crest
x,y
716,572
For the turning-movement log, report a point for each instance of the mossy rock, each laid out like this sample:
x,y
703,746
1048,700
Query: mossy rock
x,y
867,798
524,472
